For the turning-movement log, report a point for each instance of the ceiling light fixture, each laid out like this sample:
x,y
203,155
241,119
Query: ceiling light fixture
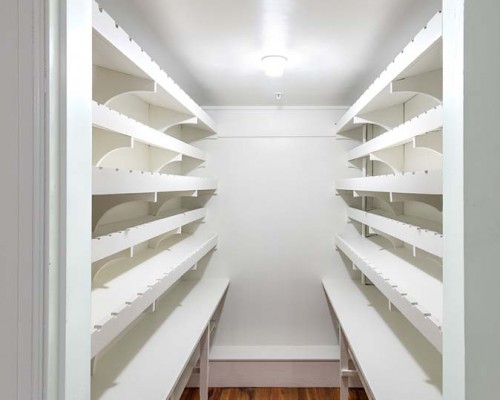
x,y
274,65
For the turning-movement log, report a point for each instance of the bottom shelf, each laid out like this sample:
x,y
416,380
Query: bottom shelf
x,y
394,359
148,361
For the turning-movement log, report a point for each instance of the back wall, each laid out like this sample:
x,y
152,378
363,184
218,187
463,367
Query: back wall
x,y
276,214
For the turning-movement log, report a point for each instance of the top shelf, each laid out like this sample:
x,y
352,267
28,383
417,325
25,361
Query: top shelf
x,y
114,49
423,54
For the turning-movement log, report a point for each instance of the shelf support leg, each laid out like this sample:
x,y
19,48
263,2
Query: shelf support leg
x,y
367,171
93,366
204,363
344,365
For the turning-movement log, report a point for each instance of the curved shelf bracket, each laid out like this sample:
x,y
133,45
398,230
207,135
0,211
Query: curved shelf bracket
x,y
387,118
394,206
434,200
155,242
422,253
164,197
431,141
193,133
162,119
93,364
104,203
108,84
180,165
173,167
429,83
160,158
205,195
353,134
189,164
105,142
200,201
98,266
396,243
392,157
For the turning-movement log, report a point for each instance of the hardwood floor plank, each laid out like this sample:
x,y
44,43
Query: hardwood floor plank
x,y
273,394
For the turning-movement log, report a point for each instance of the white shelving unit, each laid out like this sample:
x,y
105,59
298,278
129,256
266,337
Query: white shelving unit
x,y
412,66
412,183
112,121
413,285
105,246
116,181
393,359
390,322
125,289
129,68
409,132
417,232
151,318
158,354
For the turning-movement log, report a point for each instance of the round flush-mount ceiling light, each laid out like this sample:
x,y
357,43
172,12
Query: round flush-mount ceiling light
x,y
274,65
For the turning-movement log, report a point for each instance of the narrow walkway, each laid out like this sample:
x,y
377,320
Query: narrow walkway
x,y
274,394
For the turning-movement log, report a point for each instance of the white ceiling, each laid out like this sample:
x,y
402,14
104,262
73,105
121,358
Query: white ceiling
x,y
212,48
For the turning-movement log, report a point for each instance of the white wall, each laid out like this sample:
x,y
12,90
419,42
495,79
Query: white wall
x,y
9,167
276,214
21,168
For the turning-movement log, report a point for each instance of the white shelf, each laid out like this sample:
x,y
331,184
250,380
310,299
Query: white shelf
x,y
417,232
110,120
430,182
394,359
123,290
104,246
413,285
430,121
115,181
422,55
114,49
274,353
148,361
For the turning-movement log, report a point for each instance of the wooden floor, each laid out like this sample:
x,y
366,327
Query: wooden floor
x,y
274,394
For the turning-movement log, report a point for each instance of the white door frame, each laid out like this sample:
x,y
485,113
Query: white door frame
x,y
45,161
70,121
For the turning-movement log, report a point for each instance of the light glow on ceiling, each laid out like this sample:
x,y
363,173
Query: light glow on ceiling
x,y
274,65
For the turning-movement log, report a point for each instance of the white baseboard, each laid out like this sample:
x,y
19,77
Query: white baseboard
x,y
275,353
273,366
272,374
